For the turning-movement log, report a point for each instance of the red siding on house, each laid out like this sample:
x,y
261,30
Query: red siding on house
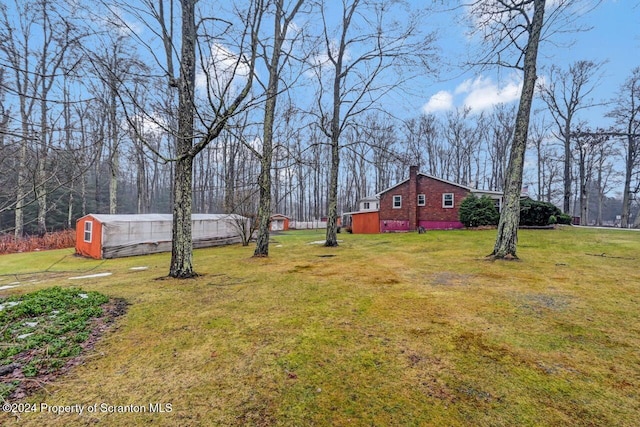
x,y
441,225
390,225
431,216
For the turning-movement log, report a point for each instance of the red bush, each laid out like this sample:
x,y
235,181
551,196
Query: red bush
x,y
57,240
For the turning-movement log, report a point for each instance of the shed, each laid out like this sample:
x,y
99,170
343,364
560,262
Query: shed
x,y
279,222
114,236
366,222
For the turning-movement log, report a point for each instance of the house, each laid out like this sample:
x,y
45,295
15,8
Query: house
x,y
371,203
113,236
419,201
279,222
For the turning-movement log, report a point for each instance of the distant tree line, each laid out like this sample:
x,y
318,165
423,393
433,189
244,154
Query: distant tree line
x,y
114,106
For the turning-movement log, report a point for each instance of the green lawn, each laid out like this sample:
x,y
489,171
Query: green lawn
x,y
385,330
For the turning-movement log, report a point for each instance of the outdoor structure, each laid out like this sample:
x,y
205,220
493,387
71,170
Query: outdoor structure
x,y
422,201
279,222
113,236
365,222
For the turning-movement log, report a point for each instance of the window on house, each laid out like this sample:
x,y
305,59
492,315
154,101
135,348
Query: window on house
x,y
397,202
447,200
422,200
88,229
366,205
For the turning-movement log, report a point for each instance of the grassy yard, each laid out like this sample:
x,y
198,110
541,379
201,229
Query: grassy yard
x,y
385,330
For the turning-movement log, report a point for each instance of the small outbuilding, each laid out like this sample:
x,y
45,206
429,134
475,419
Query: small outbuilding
x,y
279,222
364,222
113,236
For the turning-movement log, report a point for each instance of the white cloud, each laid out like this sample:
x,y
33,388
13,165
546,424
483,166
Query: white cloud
x,y
441,101
478,94
483,93
222,69
319,61
464,87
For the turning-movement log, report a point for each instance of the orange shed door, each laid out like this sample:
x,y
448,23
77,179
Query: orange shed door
x,y
89,237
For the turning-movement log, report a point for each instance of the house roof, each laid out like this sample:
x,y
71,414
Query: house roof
x,y
376,196
373,198
487,192
369,211
279,216
432,177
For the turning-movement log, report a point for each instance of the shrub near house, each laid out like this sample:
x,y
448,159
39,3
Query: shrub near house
x,y
478,211
536,213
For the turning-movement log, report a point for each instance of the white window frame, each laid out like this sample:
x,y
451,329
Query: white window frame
x,y
422,202
445,201
366,205
397,205
88,231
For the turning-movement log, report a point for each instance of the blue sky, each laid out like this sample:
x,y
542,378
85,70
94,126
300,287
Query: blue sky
x,y
615,38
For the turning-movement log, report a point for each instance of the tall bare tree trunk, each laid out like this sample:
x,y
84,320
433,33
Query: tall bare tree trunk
x,y
20,192
182,247
336,130
22,169
566,205
629,164
70,210
41,171
264,181
332,214
281,25
114,155
507,238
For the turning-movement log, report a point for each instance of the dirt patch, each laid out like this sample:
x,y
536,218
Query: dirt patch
x,y
111,310
539,304
450,279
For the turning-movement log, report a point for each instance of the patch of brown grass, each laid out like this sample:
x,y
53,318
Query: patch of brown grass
x,y
54,240
402,329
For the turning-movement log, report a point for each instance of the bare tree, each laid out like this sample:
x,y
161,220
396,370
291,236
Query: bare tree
x,y
566,93
501,122
546,163
420,136
464,141
513,26
188,146
273,62
606,175
114,65
14,43
369,41
204,50
626,113
587,144
511,32
36,41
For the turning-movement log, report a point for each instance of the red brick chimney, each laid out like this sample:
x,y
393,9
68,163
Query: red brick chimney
x,y
412,203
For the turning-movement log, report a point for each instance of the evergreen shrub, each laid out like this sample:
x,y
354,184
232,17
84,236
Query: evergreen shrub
x,y
478,211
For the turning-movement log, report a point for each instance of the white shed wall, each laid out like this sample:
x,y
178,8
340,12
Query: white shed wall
x,y
125,235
